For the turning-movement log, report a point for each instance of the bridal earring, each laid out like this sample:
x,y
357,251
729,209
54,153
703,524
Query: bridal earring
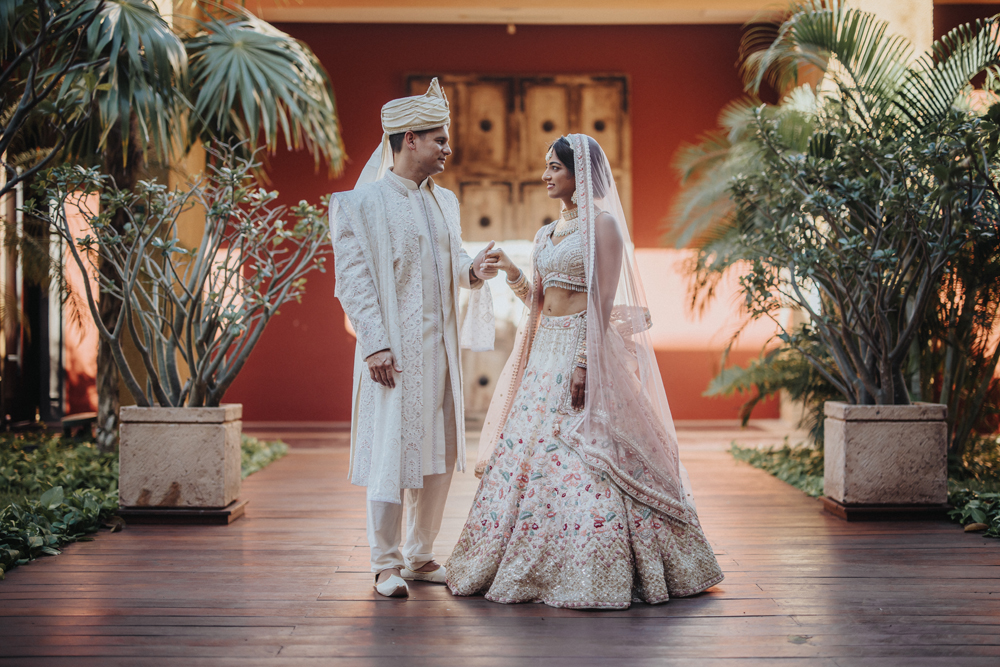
x,y
574,198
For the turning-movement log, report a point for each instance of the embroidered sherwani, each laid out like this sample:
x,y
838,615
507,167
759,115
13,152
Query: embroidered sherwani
x,y
399,265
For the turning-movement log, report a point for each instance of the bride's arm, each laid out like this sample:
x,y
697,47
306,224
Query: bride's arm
x,y
517,279
608,246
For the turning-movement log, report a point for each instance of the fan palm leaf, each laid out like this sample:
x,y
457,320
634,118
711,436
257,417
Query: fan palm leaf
x,y
142,77
932,87
850,46
250,80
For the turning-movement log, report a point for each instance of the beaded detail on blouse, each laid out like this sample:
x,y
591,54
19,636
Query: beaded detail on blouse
x,y
562,264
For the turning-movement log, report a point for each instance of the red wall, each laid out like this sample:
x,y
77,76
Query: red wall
x,y
681,77
949,17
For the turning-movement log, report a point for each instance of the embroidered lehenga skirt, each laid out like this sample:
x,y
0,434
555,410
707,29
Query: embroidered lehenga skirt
x,y
546,527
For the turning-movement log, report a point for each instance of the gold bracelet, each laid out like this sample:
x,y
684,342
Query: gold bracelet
x,y
521,286
580,360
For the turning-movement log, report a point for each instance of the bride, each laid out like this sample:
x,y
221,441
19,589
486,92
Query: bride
x,y
581,502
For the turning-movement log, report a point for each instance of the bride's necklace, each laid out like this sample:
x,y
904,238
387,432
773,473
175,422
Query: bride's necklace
x,y
568,227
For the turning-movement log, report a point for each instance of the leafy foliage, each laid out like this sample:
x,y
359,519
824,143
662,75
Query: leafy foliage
x,y
40,526
258,454
56,490
776,370
30,465
974,484
799,465
976,507
867,204
973,479
205,306
248,77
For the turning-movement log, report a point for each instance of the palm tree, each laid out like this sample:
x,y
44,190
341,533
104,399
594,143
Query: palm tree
x,y
233,77
871,86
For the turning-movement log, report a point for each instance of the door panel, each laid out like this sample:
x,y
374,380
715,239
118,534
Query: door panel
x,y
536,209
485,138
600,117
546,118
486,209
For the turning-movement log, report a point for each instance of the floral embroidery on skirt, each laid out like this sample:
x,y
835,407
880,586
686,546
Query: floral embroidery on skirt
x,y
546,527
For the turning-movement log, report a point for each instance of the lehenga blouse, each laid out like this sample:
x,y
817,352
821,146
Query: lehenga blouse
x,y
562,264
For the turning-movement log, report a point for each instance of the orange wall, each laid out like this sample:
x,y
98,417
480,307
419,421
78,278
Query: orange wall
x,y
681,77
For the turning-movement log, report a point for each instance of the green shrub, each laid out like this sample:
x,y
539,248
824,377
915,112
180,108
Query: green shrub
x,y
973,479
31,464
40,526
801,465
56,490
258,454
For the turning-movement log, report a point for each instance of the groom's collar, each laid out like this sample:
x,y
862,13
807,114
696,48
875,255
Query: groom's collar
x,y
402,185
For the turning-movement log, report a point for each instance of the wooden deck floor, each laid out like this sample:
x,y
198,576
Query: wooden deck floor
x,y
289,585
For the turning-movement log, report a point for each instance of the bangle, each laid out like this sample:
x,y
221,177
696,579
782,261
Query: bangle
x,y
473,278
580,360
521,286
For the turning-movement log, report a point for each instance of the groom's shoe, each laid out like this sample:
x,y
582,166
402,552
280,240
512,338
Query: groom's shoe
x,y
436,575
392,586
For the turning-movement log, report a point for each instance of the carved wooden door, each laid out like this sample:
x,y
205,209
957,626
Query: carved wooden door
x,y
501,130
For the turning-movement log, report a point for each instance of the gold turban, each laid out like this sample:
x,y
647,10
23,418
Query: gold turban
x,y
414,114
417,113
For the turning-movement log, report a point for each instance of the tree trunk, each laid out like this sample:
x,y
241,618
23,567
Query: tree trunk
x,y
124,166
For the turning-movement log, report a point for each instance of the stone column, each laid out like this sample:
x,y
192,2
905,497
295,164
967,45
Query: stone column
x,y
914,19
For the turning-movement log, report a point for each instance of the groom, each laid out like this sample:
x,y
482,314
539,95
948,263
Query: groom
x,y
399,265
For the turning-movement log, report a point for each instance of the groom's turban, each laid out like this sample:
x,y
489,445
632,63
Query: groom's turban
x,y
417,113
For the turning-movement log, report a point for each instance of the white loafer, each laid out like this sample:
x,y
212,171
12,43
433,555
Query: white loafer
x,y
438,576
393,587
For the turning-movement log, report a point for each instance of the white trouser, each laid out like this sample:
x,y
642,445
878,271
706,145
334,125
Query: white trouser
x,y
424,509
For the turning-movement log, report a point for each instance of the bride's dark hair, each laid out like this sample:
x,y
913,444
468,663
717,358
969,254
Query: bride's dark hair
x,y
600,170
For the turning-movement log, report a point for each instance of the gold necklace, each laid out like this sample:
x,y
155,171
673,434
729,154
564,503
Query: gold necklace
x,y
568,226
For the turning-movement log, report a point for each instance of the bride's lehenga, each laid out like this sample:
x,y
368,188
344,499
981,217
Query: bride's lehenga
x,y
546,525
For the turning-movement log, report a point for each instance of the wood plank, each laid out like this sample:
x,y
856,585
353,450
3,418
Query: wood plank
x,y
289,584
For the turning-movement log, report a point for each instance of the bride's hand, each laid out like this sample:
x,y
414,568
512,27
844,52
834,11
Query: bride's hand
x,y
503,263
578,388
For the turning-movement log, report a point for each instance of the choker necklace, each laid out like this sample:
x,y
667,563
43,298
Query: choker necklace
x,y
565,232
571,215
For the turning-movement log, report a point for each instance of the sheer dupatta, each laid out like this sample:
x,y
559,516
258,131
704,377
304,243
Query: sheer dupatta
x,y
625,428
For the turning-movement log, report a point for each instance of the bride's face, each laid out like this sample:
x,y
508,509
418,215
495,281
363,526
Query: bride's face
x,y
558,180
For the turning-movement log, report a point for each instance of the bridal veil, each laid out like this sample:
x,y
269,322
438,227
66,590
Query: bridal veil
x,y
625,428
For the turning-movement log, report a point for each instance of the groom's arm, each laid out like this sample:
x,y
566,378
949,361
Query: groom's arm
x,y
355,287
467,278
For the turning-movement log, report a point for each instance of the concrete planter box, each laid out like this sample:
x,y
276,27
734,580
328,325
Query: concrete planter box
x,y
179,459
885,461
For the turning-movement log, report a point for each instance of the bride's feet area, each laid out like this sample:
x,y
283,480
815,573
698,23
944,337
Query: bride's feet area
x,y
390,584
431,571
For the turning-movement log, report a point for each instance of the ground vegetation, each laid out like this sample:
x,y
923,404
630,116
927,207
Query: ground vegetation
x,y
55,490
973,480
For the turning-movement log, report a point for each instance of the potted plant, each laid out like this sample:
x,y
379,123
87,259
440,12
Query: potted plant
x,y
847,202
194,314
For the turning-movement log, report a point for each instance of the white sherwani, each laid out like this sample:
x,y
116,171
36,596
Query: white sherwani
x,y
399,265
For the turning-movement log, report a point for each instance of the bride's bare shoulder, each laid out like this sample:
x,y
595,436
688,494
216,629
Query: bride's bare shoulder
x,y
605,224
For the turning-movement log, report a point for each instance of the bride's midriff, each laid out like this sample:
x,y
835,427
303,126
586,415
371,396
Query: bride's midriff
x,y
559,301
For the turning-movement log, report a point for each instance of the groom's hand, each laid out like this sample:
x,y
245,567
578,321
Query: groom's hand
x,y
485,263
380,366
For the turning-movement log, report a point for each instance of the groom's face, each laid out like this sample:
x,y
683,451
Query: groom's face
x,y
431,150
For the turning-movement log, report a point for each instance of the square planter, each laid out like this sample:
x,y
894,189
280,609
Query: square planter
x,y
186,460
885,461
